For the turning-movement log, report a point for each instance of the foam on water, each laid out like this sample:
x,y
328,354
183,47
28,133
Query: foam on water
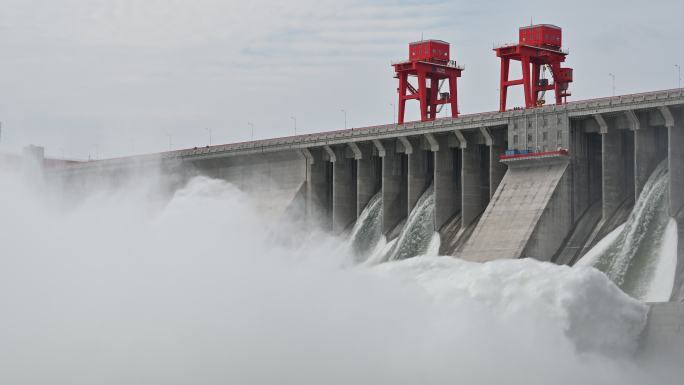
x,y
610,322
125,287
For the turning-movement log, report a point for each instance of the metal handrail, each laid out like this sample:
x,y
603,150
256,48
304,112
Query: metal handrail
x,y
450,63
506,45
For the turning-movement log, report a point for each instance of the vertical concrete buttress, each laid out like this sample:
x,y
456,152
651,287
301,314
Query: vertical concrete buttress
x,y
612,166
674,121
475,179
418,178
317,186
644,151
368,177
446,180
650,148
393,187
344,190
497,169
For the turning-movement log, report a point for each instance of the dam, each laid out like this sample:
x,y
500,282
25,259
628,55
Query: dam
x,y
500,228
555,203
549,205
592,182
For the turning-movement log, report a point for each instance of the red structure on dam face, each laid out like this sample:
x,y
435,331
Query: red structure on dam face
x,y
538,48
428,60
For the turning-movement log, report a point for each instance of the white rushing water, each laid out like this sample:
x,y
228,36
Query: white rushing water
x,y
418,237
641,255
366,237
131,287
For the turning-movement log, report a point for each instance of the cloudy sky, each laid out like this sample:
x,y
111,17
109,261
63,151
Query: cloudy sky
x,y
114,77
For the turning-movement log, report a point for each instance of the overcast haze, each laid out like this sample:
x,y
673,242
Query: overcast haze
x,y
117,76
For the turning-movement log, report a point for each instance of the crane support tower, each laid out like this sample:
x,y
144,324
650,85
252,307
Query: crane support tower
x,y
428,60
538,48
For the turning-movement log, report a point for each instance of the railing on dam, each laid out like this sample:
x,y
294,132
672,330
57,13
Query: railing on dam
x,y
533,155
463,122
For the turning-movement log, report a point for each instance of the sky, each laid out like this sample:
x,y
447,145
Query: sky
x,y
106,78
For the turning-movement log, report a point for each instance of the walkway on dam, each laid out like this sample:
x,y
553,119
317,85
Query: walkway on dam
x,y
463,122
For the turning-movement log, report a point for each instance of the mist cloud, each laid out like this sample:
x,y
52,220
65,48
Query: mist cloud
x,y
129,287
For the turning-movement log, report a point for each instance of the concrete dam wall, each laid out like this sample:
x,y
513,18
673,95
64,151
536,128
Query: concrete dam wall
x,y
533,207
527,192
552,208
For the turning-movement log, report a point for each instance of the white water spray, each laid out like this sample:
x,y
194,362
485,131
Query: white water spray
x,y
366,236
641,256
418,237
122,287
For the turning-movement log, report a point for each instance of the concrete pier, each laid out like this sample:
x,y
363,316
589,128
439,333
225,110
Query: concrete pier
x,y
344,190
555,222
447,181
497,146
394,186
674,122
419,170
369,176
475,178
650,148
520,203
319,189
617,151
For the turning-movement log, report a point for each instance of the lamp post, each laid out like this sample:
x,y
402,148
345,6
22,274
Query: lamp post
x,y
294,119
679,75
394,113
251,125
613,82
345,118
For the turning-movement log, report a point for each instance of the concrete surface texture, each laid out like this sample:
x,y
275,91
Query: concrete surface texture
x,y
369,176
344,191
519,202
447,182
271,180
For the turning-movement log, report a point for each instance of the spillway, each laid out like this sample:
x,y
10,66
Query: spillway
x,y
418,237
641,255
366,235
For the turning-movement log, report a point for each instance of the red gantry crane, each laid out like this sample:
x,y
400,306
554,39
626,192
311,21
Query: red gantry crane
x,y
428,60
538,48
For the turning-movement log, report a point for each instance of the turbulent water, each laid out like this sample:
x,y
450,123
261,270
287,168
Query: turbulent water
x,y
640,256
129,286
366,236
418,237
